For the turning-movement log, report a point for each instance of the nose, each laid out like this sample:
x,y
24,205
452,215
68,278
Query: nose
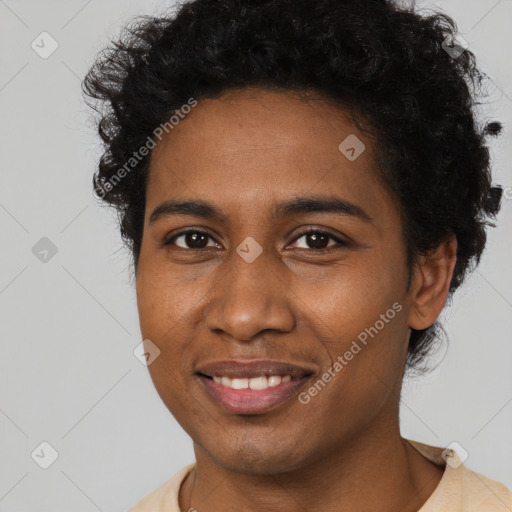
x,y
251,298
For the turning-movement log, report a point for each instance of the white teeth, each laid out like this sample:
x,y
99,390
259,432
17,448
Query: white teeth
x,y
258,382
254,383
240,383
274,380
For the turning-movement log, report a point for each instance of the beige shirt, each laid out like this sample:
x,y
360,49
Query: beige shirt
x,y
460,489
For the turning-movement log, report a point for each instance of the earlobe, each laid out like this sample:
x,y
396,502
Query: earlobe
x,y
431,283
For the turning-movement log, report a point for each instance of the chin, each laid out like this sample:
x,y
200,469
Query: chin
x,y
252,458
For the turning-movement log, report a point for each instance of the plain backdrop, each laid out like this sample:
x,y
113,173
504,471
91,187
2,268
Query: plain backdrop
x,y
69,324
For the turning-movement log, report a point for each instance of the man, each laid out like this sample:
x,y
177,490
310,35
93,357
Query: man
x,y
302,185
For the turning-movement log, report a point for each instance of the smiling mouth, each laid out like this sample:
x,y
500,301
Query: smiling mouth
x,y
254,387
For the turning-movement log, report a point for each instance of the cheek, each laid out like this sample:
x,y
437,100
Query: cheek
x,y
165,318
344,300
165,301
165,310
160,317
364,371
358,313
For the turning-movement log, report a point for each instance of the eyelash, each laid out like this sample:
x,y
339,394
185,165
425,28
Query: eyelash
x,y
300,235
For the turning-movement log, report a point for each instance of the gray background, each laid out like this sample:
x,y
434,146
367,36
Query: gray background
x,y
69,325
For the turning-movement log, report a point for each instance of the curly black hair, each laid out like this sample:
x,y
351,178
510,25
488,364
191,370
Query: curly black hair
x,y
397,70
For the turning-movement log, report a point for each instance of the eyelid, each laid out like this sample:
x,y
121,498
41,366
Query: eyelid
x,y
169,240
317,230
322,231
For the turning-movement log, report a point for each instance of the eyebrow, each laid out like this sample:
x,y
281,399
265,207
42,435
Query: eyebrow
x,y
294,206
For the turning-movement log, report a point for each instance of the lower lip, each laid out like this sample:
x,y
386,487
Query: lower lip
x,y
251,401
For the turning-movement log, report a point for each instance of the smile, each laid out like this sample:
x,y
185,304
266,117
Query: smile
x,y
251,387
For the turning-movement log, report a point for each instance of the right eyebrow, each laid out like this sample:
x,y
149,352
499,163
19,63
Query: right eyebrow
x,y
188,207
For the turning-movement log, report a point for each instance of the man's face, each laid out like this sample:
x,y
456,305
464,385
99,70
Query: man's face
x,y
210,296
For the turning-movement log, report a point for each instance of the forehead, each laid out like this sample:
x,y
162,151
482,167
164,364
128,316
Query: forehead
x,y
261,147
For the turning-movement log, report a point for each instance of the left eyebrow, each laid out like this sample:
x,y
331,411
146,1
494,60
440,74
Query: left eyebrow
x,y
297,205
326,204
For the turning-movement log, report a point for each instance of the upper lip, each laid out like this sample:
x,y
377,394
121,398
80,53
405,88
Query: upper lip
x,y
253,368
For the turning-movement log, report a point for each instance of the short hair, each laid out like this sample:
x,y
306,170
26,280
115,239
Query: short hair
x,y
390,67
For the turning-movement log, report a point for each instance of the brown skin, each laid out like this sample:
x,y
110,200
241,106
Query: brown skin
x,y
296,303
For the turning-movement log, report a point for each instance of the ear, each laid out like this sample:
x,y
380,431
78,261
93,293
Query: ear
x,y
431,283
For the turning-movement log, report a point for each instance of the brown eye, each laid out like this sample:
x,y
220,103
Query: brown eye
x,y
192,239
318,240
